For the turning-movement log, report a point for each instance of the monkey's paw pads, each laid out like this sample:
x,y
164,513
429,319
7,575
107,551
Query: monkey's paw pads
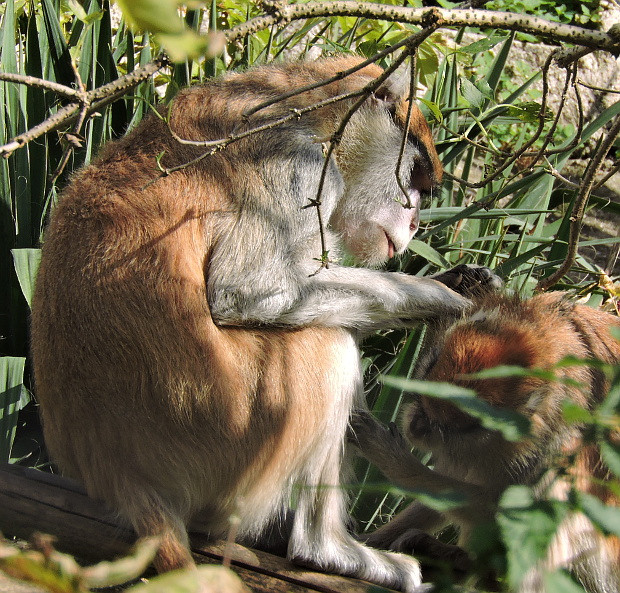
x,y
470,280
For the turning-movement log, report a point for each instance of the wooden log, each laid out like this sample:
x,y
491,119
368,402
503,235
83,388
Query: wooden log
x,y
33,501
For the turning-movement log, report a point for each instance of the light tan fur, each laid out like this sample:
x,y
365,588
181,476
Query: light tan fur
x,y
189,364
536,334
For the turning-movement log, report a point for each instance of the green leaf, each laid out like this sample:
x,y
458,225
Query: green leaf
x,y
482,45
427,252
512,425
574,413
473,93
605,517
13,397
561,582
527,527
26,262
434,109
611,456
124,569
157,16
162,18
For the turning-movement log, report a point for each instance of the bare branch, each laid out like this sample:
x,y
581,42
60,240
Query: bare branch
x,y
403,142
413,42
576,219
597,88
95,100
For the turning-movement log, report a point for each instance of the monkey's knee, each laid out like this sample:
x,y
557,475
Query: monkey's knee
x,y
173,553
155,519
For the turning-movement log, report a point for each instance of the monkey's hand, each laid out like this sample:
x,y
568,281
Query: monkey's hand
x,y
470,280
386,448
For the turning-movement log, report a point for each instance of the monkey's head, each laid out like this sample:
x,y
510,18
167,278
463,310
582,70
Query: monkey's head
x,y
374,218
486,340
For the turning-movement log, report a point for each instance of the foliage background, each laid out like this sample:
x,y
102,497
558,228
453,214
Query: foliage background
x,y
518,223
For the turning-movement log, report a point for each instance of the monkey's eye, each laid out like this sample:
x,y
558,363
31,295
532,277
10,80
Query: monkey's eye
x,y
420,179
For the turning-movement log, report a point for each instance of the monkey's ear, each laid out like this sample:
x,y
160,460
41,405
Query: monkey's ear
x,y
395,88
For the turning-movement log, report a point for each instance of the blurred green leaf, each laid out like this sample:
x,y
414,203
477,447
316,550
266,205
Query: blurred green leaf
x,y
606,517
203,579
561,582
161,17
510,424
527,526
124,569
574,413
611,456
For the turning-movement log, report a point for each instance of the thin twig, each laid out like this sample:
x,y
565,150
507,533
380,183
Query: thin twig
x,y
84,105
614,169
597,88
32,81
571,74
576,136
517,155
414,41
405,134
338,76
581,200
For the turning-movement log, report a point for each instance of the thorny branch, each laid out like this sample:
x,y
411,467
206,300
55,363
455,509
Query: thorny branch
x,y
460,17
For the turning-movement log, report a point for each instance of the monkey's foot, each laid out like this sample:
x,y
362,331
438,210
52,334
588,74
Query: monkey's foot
x,y
387,569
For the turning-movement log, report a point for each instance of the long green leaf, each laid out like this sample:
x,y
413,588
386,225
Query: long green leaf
x,y
26,263
13,397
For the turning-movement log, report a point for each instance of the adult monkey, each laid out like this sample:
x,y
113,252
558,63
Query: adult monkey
x,y
189,361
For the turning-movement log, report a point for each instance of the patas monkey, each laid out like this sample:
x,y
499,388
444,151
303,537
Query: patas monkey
x,y
190,362
502,330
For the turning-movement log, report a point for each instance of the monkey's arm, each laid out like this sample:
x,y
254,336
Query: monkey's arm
x,y
337,296
386,448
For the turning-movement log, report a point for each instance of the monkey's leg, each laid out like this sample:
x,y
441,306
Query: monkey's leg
x,y
320,540
386,448
395,534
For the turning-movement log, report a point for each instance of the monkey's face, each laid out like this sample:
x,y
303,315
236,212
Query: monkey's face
x,y
374,217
